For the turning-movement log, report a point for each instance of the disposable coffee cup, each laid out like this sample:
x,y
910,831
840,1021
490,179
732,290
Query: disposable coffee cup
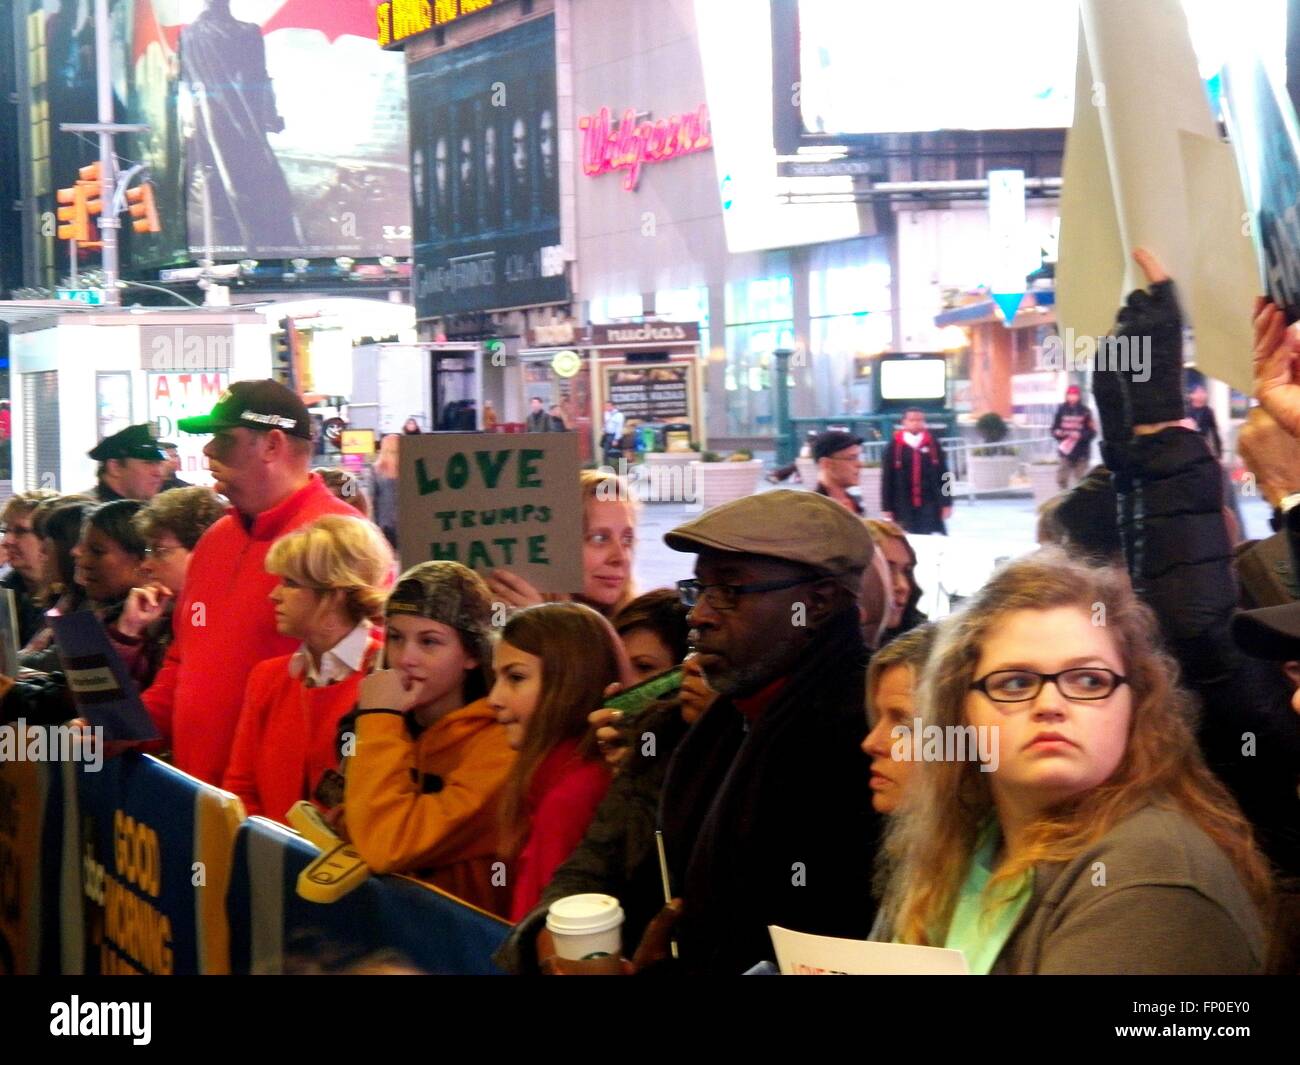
x,y
586,926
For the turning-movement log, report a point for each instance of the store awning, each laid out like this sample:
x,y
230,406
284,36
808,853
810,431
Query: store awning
x,y
15,312
1037,309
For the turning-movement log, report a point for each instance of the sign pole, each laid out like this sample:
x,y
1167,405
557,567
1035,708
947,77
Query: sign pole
x,y
108,220
785,449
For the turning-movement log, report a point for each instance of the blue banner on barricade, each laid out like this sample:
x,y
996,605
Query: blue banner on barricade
x,y
155,849
273,930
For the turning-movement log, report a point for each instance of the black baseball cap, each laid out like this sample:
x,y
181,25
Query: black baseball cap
x,y
833,440
259,405
133,442
1271,632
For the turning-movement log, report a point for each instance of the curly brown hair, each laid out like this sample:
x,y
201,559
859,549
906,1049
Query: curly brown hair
x,y
186,513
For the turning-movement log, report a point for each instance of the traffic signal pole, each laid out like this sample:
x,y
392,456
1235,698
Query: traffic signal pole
x,y
108,220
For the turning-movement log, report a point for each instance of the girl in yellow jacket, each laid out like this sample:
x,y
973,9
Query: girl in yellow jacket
x,y
426,777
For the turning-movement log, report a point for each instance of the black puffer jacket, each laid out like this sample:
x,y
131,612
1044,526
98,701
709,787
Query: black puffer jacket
x,y
773,824
1170,495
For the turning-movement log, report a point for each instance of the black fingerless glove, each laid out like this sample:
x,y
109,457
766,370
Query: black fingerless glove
x,y
1108,393
1150,354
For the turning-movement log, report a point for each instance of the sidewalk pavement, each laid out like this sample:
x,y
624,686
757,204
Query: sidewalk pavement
x,y
982,534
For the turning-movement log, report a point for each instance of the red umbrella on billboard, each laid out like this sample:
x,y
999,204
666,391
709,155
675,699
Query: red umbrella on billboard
x,y
161,21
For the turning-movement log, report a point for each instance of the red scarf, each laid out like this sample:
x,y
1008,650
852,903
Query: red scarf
x,y
927,442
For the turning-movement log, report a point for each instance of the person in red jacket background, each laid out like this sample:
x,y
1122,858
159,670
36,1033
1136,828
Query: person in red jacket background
x,y
553,665
224,624
332,575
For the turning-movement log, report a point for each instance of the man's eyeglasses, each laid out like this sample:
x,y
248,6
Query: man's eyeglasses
x,y
724,596
159,552
17,530
1083,684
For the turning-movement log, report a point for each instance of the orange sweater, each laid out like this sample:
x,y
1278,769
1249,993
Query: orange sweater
x,y
430,806
286,737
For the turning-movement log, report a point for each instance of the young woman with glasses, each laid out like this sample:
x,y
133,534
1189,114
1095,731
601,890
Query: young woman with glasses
x,y
1100,843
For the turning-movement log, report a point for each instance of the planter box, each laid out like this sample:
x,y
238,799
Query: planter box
x,y
1042,480
666,476
869,478
721,482
991,472
807,472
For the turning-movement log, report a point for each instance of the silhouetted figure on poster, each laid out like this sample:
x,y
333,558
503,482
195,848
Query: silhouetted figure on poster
x,y
223,67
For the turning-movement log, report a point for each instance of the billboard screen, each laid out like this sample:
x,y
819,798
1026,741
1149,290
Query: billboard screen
x,y
965,66
277,128
485,174
913,379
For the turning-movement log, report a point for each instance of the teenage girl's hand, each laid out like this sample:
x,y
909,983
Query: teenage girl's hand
x,y
387,690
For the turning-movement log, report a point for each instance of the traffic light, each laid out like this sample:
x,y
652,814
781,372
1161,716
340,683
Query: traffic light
x,y
73,214
141,207
88,177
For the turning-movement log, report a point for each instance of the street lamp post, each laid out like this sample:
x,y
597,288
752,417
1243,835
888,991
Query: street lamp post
x,y
785,444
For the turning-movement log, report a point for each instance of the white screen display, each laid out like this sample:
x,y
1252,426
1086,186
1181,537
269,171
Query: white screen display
x,y
912,378
901,66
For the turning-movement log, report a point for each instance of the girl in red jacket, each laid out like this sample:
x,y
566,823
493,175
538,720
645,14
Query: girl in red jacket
x,y
331,574
553,665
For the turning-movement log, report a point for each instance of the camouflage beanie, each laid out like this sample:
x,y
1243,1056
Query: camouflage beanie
x,y
451,594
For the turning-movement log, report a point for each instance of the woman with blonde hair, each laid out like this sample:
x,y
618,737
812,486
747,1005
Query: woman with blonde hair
x,y
332,575
1075,827
609,515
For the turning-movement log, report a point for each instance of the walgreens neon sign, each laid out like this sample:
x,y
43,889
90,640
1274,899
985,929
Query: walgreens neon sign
x,y
633,144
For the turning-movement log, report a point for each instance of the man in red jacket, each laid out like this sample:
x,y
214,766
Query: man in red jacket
x,y
260,455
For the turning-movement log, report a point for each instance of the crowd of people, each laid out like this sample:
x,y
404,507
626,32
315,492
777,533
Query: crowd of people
x,y
1091,766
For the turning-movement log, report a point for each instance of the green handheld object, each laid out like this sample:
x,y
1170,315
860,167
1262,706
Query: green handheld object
x,y
635,699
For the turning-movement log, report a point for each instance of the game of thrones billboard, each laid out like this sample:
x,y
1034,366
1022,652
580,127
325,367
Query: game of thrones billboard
x,y
485,174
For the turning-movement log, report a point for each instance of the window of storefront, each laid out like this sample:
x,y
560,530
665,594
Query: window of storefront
x,y
686,305
760,319
849,305
606,309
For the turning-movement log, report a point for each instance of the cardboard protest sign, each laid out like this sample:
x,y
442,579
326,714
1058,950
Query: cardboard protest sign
x,y
493,501
1144,168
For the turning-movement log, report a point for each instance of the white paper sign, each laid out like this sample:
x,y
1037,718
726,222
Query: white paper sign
x,y
1144,168
801,954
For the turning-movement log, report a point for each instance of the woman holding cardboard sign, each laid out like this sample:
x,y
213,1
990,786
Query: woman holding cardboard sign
x,y
608,548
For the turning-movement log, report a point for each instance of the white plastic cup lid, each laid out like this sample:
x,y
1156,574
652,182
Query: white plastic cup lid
x,y
576,915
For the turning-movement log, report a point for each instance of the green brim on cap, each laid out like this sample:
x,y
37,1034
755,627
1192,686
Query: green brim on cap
x,y
202,424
